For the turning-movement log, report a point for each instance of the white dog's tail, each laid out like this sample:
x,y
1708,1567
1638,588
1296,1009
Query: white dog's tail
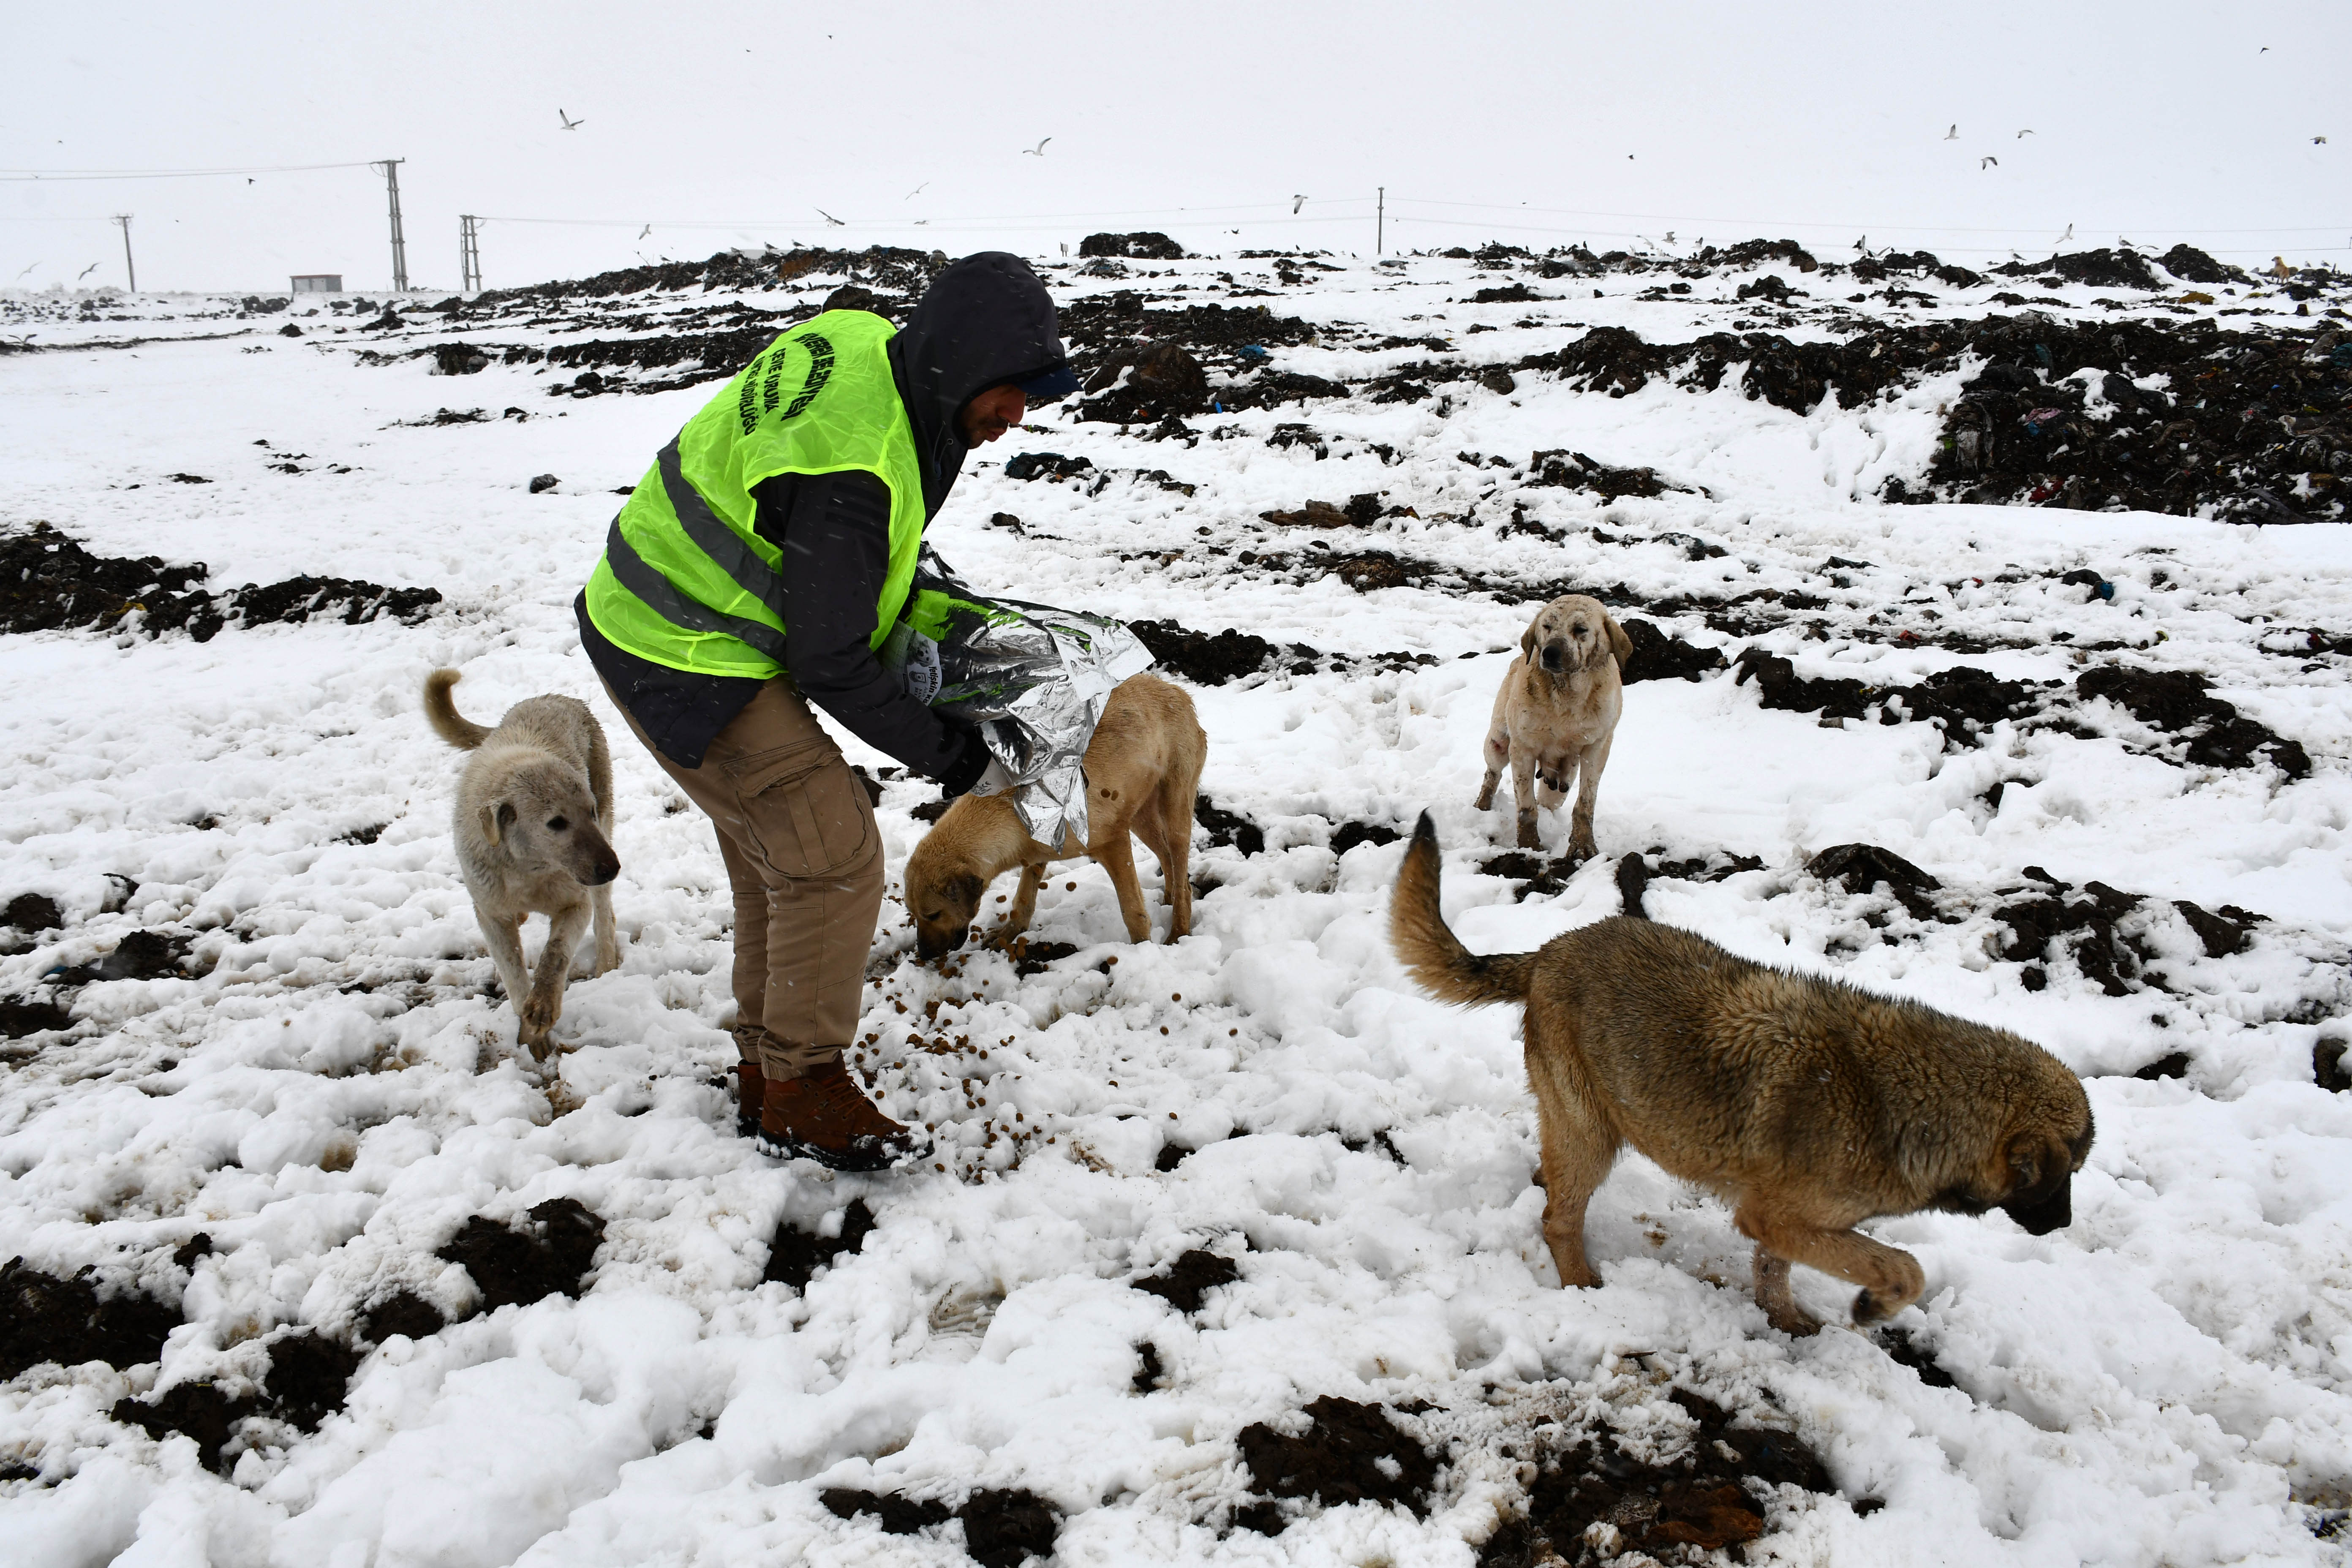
x,y
442,713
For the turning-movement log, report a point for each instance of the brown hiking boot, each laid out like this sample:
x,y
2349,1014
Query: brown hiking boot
x,y
751,1094
823,1116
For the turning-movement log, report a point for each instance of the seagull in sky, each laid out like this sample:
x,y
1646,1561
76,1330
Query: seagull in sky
x,y
1297,202
2023,135
1954,133
1988,162
644,231
918,191
27,269
569,123
1036,152
830,218
85,271
2065,236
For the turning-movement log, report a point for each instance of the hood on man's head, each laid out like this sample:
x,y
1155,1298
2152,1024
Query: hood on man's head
x,y
986,321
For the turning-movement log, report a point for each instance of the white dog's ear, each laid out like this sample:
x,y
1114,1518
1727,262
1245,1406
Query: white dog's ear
x,y
1619,643
496,816
1527,643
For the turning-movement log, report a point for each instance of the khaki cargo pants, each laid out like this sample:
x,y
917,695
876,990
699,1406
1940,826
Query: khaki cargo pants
x,y
804,857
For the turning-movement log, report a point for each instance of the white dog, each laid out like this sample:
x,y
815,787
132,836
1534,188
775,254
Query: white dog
x,y
533,824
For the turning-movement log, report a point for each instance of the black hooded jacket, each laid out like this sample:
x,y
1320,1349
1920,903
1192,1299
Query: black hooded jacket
x,y
984,322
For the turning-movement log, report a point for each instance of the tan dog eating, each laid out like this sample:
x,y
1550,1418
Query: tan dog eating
x,y
1143,771
533,826
1808,1105
1555,715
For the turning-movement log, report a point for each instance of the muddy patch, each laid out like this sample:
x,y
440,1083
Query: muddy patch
x,y
2179,701
794,1255
1228,829
44,1318
1347,1453
1189,1279
1202,658
1594,1502
1002,1528
548,1253
50,582
404,1312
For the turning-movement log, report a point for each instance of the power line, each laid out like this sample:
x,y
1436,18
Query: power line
x,y
1955,249
28,175
1858,227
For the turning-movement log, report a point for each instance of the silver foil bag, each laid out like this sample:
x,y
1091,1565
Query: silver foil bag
x,y
1033,679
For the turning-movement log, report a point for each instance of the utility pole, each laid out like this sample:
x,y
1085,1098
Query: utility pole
x,y
469,254
1380,220
391,167
124,219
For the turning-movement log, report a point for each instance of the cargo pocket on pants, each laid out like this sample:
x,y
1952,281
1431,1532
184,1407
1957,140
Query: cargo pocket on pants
x,y
805,812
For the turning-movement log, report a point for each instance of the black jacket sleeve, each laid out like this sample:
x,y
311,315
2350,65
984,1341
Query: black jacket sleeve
x,y
834,532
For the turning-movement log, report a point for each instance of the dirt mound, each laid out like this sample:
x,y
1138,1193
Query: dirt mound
x,y
403,1312
1707,1499
44,1318
795,1256
2081,926
2193,266
548,1254
1349,1453
1001,1529
1348,834
1866,867
1145,245
1271,388
32,912
2251,426
1661,655
2177,701
1963,701
1097,329
1541,874
1200,657
2099,268
309,1376
200,1411
891,268
1189,1279
49,581
1161,380
1228,828
1029,957
1573,470
22,1016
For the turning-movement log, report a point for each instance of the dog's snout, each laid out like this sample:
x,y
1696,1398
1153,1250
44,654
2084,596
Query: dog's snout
x,y
1554,656
603,871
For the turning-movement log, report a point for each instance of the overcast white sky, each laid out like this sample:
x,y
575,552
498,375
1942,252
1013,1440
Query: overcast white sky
x,y
1823,121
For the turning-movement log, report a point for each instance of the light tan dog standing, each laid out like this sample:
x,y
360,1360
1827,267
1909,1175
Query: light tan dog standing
x,y
1808,1105
1556,714
533,824
1143,771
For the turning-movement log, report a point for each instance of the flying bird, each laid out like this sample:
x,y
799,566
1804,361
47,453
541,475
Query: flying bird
x,y
2065,236
1297,202
1954,133
85,271
570,123
644,231
2319,141
918,191
830,218
2023,135
28,269
1988,162
1036,152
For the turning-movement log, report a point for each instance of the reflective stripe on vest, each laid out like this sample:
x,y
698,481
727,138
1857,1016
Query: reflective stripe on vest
x,y
684,582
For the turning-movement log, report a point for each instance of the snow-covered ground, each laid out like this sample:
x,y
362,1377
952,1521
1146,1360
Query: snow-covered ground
x,y
330,1094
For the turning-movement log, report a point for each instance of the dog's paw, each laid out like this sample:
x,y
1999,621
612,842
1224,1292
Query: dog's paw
x,y
608,959
1486,800
1868,1309
1792,1319
1528,837
537,1013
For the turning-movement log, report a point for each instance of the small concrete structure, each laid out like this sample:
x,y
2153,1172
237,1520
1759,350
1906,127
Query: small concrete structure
x,y
318,282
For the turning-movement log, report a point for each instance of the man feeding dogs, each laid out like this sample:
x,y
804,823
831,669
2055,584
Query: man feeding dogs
x,y
757,570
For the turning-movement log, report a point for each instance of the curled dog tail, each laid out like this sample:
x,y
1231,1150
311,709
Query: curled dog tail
x,y
442,713
1436,958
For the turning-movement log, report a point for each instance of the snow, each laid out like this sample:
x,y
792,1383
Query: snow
x,y
2168,1380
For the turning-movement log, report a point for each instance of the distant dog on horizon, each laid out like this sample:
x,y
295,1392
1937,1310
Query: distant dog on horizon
x,y
1556,714
1806,1104
533,824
